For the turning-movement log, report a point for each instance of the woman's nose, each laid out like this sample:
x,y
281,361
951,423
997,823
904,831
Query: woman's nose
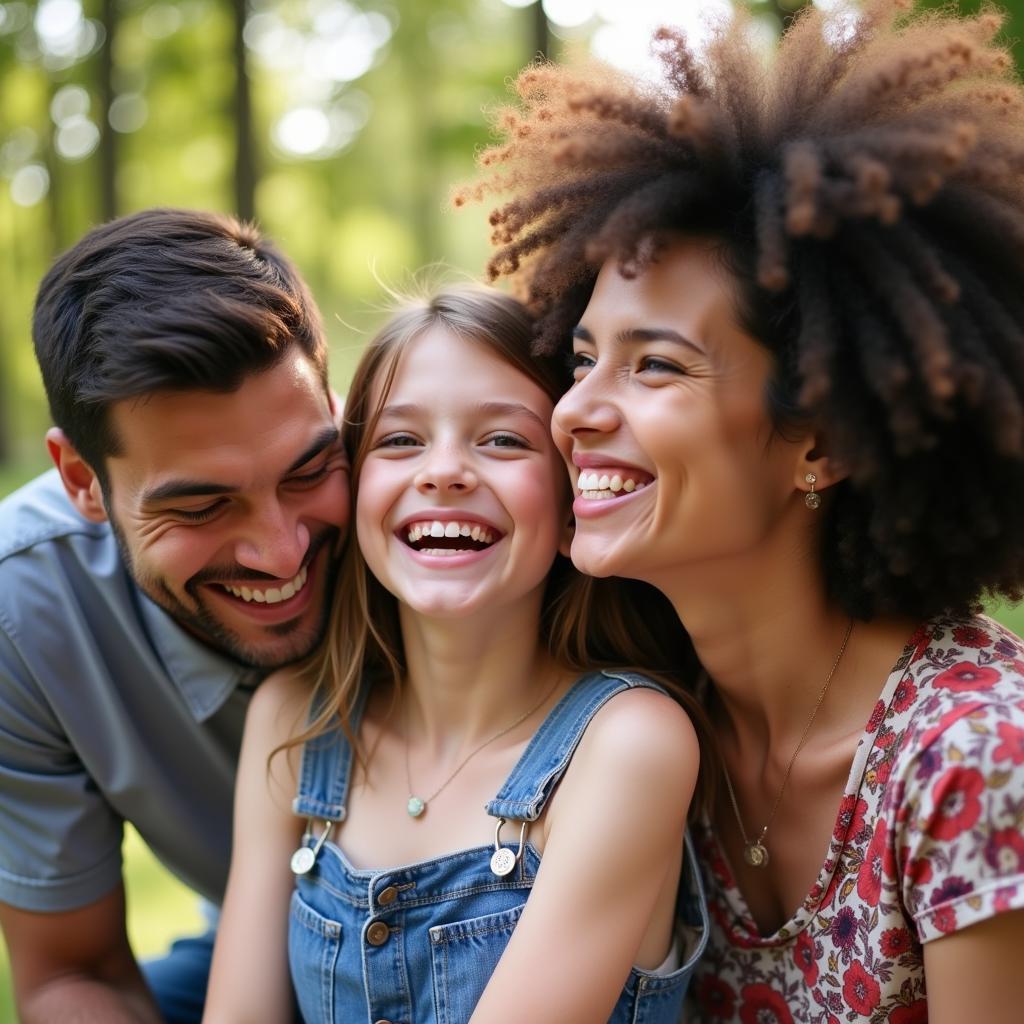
x,y
586,407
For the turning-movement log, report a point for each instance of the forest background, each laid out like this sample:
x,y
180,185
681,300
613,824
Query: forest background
x,y
338,125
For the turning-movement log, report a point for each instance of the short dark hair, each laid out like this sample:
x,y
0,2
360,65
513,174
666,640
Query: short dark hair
x,y
865,189
164,300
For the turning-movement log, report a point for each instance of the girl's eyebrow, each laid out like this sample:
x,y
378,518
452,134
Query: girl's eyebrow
x,y
641,334
412,409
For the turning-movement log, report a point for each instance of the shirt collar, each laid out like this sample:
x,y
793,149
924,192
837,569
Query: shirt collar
x,y
204,677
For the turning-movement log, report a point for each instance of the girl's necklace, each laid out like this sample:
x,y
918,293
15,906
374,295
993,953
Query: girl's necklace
x,y
416,806
754,851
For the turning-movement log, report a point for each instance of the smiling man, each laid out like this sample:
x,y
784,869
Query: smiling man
x,y
182,548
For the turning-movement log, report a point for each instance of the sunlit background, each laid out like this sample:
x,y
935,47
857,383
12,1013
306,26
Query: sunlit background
x,y
339,125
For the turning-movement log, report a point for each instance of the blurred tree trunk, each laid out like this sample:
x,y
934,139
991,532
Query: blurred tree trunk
x,y
541,33
245,147
108,137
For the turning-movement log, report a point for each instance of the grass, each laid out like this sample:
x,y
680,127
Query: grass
x,y
160,909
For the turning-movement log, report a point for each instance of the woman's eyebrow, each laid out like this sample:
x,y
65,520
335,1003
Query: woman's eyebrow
x,y
642,334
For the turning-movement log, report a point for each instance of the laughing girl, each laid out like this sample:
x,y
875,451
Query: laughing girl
x,y
489,811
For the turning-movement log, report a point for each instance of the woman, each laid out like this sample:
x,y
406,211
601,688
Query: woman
x,y
796,296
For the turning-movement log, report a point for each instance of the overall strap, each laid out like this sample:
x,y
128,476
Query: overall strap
x,y
526,790
327,768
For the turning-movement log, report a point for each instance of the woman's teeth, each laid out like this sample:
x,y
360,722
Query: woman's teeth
x,y
450,530
271,595
595,486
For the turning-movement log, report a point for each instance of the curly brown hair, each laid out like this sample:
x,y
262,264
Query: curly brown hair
x,y
866,188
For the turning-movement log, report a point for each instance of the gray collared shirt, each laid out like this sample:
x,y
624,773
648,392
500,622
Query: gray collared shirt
x,y
109,712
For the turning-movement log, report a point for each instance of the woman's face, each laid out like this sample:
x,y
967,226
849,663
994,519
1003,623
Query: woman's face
x,y
666,431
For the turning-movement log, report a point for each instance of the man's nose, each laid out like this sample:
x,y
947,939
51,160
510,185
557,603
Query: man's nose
x,y
275,542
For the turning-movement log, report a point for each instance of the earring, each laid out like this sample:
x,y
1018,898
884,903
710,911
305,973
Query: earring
x,y
812,499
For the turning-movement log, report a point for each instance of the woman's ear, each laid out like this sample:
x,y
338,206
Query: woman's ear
x,y
79,478
815,461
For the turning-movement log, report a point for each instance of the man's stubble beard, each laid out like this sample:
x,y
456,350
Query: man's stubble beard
x,y
207,627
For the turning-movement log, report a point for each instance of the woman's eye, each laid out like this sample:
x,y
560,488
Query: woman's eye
x,y
578,363
656,364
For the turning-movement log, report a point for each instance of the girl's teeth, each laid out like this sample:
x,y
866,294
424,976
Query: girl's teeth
x,y
436,529
475,533
615,483
451,530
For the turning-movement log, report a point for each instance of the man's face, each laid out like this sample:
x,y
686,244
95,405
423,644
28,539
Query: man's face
x,y
228,508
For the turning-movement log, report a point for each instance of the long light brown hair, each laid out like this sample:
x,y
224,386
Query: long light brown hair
x,y
585,623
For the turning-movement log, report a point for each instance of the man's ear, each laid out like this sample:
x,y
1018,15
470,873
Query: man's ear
x,y
78,477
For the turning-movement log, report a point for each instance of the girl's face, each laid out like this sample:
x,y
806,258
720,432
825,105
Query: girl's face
x,y
462,501
666,430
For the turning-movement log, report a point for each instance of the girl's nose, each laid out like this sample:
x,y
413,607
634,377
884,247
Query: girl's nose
x,y
445,471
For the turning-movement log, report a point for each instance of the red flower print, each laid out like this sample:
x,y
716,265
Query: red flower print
x,y
915,1013
1004,851
971,636
957,806
905,693
876,717
895,942
869,879
945,919
1004,899
919,641
803,956
967,676
1011,747
715,997
919,871
763,1006
850,819
861,992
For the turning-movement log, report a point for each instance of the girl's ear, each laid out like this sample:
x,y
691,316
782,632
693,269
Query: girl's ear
x,y
79,478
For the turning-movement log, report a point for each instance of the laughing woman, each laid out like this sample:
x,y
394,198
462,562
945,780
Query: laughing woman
x,y
796,296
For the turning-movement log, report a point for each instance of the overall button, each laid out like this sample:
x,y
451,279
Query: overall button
x,y
378,933
386,897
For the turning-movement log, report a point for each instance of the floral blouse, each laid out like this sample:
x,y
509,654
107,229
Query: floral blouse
x,y
928,840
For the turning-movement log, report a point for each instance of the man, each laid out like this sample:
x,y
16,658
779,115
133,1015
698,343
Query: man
x,y
183,547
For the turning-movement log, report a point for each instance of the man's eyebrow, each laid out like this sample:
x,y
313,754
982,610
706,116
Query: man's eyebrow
x,y
173,489
641,334
326,437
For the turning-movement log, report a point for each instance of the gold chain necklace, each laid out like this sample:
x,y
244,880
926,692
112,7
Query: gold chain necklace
x,y
416,806
754,851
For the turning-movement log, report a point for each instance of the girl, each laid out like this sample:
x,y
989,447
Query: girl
x,y
795,289
464,752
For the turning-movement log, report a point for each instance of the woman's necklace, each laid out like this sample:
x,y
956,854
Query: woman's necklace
x,y
754,851
416,806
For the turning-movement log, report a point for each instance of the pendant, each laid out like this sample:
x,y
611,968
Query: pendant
x,y
415,807
755,854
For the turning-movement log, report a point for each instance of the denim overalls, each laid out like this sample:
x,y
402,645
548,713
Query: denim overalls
x,y
418,943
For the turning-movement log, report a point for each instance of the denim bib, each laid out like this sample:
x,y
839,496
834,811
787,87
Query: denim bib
x,y
418,943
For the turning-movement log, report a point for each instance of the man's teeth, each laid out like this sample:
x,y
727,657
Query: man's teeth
x,y
600,485
272,595
435,528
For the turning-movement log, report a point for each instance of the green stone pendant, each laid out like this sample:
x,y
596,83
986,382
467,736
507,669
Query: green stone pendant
x,y
415,807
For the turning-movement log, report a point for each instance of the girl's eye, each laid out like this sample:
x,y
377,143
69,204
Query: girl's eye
x,y
398,441
506,441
